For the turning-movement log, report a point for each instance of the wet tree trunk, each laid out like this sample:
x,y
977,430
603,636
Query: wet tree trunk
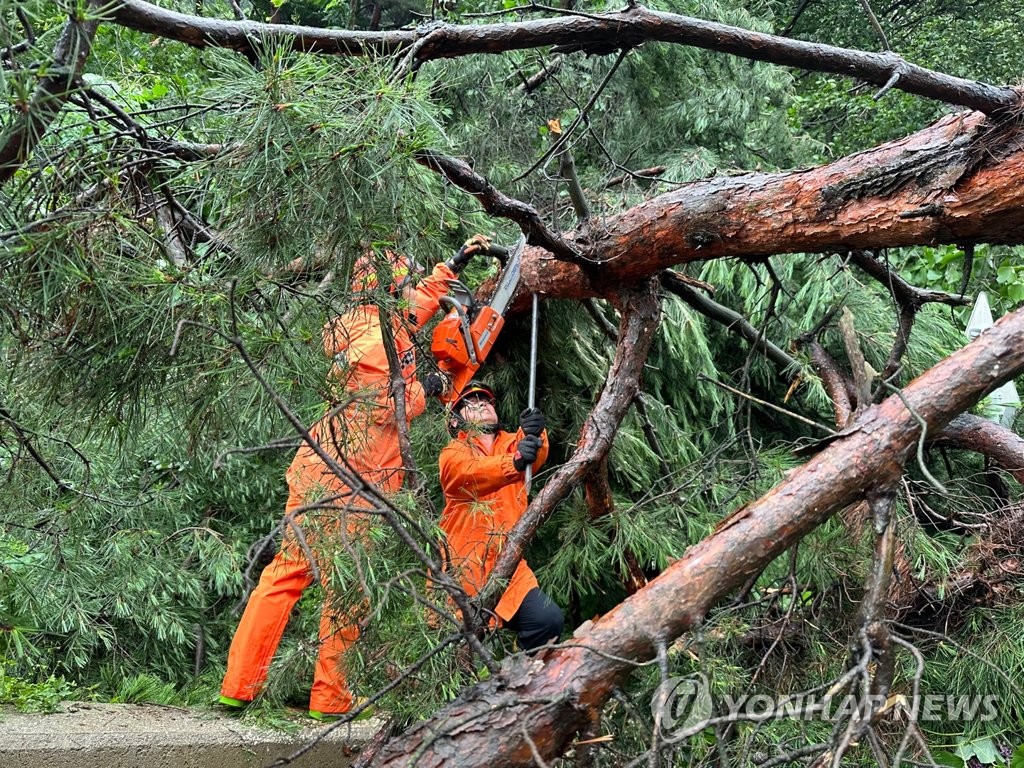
x,y
957,181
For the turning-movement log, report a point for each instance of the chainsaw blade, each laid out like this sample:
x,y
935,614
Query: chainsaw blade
x,y
509,282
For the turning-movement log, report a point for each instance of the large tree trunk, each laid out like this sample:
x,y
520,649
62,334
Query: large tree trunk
x,y
957,181
541,703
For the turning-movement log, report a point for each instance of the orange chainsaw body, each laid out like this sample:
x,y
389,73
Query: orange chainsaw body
x,y
450,346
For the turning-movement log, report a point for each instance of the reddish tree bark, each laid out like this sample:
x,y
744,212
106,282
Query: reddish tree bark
x,y
552,696
973,433
954,182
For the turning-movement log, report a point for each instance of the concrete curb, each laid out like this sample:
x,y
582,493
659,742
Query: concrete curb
x,y
87,735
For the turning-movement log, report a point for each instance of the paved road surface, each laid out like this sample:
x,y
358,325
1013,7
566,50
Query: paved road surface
x,y
87,735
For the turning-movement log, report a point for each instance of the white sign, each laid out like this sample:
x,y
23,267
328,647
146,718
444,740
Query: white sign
x,y
1002,405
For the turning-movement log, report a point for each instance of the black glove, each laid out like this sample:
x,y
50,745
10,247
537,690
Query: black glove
x,y
477,244
531,421
526,452
435,384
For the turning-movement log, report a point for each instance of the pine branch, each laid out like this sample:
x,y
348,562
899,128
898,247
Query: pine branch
x,y
644,174
547,70
994,441
497,203
592,33
731,319
909,298
597,491
563,136
837,384
29,125
638,402
861,373
875,24
567,170
25,441
8,53
398,387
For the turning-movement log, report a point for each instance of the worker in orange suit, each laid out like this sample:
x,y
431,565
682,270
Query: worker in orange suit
x,y
483,478
360,433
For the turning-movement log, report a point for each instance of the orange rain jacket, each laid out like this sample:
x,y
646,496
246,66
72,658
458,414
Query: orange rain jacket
x,y
362,434
484,498
362,431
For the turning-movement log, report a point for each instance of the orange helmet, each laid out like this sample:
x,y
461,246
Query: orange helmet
x,y
364,271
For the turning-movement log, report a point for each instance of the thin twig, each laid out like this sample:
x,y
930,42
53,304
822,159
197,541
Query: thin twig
x,y
766,404
579,118
874,23
921,438
534,752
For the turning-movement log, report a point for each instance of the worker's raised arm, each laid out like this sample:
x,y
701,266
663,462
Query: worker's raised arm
x,y
429,290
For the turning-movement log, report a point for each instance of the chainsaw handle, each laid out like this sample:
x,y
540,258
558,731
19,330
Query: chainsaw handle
x,y
446,301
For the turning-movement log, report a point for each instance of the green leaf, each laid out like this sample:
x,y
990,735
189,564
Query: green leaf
x,y
948,758
982,749
1017,758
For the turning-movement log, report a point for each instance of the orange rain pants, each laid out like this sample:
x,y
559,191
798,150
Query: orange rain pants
x,y
362,436
484,497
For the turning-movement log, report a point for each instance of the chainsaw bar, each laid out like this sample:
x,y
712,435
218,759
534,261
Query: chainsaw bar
x,y
509,282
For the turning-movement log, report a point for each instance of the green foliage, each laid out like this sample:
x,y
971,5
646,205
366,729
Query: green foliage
x,y
122,552
980,659
978,41
42,693
144,688
994,269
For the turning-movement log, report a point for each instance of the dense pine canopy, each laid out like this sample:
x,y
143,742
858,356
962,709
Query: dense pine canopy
x,y
178,221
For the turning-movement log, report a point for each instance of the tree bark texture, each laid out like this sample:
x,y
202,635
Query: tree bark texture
x,y
957,181
973,433
591,33
553,695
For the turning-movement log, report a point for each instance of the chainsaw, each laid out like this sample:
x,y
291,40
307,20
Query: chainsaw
x,y
465,336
